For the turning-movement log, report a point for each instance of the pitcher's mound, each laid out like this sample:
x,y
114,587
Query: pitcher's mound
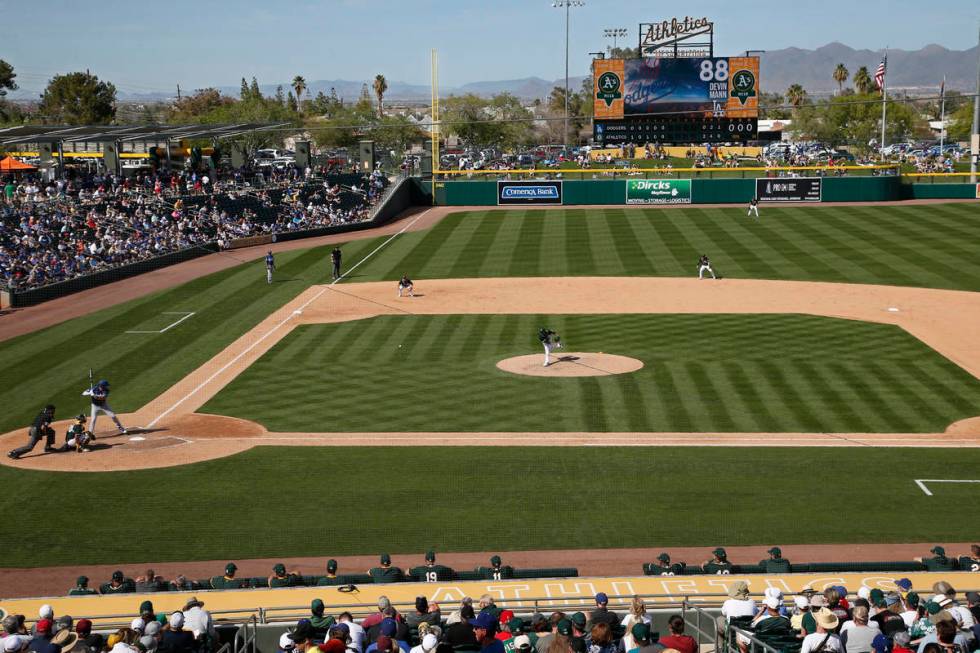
x,y
571,364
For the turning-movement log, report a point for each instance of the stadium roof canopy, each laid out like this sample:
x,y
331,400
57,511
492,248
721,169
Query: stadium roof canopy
x,y
123,133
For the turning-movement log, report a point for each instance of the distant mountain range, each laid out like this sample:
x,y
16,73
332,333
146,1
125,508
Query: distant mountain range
x,y
917,71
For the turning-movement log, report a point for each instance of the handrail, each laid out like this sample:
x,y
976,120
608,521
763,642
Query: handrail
x,y
756,645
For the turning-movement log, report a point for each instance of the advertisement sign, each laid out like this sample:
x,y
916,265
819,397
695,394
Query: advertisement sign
x,y
528,192
978,191
710,86
675,30
658,191
804,189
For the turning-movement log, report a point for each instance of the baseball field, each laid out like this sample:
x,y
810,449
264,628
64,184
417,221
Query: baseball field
x,y
835,357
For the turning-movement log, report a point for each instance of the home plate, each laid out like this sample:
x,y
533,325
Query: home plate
x,y
892,309
137,438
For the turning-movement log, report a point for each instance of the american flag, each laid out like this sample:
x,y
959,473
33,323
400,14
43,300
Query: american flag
x,y
880,73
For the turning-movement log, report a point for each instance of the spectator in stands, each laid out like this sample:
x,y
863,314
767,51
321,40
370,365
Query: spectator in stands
x,y
938,561
824,640
385,644
424,613
460,633
15,643
910,609
636,615
948,637
286,645
42,638
601,614
579,625
321,623
64,622
487,605
374,619
900,644
175,639
81,588
856,635
776,563
302,636
646,641
737,605
484,629
718,564
386,573
456,615
963,616
889,619
427,644
65,640
392,626
769,621
836,603
357,634
600,639
801,610
677,639
198,620
94,641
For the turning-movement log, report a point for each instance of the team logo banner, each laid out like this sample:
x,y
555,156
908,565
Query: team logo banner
x,y
529,192
789,189
658,191
608,85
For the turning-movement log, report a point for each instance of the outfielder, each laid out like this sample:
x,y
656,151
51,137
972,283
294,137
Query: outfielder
x,y
704,263
40,428
270,266
405,284
754,207
78,437
549,340
100,403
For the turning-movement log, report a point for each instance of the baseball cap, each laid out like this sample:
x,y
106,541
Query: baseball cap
x,y
177,619
331,565
302,631
430,555
82,581
880,644
146,607
148,642
421,604
505,616
941,599
279,568
231,568
776,551
495,561
285,643
913,599
601,598
772,602
973,597
902,638
137,624
44,626
904,584
565,627
430,642
63,622
521,642
385,559
83,627
938,550
640,631
892,598
152,628
801,602
46,612
516,625
720,552
663,557
864,592
818,601
484,620
14,643
388,626
578,619
384,643
337,646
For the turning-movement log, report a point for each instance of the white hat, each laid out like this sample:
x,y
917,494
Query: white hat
x,y
285,643
14,643
941,599
46,612
430,642
774,592
522,641
772,602
152,628
801,602
177,619
864,592
149,642
121,647
138,624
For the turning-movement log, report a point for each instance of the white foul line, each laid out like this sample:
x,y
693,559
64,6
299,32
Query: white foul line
x,y
268,333
921,482
168,327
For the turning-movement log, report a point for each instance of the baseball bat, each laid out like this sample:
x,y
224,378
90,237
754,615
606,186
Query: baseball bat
x,y
91,383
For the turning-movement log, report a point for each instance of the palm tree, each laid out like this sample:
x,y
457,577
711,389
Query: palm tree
x,y
841,74
863,81
380,88
796,95
299,87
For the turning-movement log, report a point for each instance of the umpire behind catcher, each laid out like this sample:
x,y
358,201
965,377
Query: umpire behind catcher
x,y
40,428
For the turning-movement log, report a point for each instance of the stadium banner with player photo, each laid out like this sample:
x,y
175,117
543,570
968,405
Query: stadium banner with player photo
x,y
658,191
710,86
789,189
529,192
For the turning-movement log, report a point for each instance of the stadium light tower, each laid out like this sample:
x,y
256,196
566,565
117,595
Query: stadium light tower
x,y
615,34
567,6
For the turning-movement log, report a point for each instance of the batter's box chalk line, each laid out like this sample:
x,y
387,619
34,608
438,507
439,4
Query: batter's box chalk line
x,y
921,482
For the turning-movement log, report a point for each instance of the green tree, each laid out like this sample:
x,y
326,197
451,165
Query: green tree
x,y
191,108
299,86
841,73
244,93
380,88
863,81
78,99
771,107
280,96
291,103
961,122
796,95
254,92
7,77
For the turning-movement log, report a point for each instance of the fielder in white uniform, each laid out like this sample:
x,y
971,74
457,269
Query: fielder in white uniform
x,y
704,263
550,340
754,207
100,403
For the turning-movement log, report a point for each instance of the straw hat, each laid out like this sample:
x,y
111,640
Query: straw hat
x,y
65,639
826,619
739,590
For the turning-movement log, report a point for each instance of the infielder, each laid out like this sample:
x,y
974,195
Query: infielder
x,y
270,266
100,403
754,207
78,437
549,340
40,428
405,284
704,263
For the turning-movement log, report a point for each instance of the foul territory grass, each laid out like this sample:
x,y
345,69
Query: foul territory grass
x,y
703,373
282,501
913,245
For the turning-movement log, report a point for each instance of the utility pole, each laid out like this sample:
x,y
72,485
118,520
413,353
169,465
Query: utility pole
x,y
975,140
567,5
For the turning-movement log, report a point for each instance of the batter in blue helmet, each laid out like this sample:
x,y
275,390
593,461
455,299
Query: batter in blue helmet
x,y
99,393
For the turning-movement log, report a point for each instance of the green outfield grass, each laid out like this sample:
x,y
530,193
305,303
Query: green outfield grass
x,y
916,245
703,373
282,501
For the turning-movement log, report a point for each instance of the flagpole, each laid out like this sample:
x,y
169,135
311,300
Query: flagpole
x,y
884,105
942,118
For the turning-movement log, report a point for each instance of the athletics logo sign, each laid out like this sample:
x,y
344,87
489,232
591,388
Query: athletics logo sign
x,y
609,85
743,85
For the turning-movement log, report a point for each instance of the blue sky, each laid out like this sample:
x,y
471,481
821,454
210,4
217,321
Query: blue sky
x,y
153,46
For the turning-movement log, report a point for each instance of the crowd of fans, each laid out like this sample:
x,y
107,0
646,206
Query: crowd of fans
x,y
60,229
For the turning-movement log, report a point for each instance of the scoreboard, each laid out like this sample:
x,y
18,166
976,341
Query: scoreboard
x,y
675,129
682,100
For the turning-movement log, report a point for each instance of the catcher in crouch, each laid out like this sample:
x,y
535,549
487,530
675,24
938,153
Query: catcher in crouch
x,y
78,436
550,340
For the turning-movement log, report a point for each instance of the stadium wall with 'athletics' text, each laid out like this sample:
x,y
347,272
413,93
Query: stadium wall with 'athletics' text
x,y
612,192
